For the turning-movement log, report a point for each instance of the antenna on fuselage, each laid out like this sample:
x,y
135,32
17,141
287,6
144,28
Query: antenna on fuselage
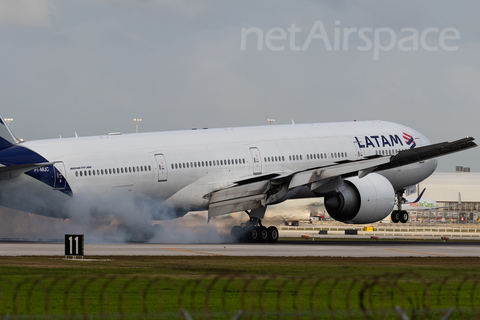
x,y
293,122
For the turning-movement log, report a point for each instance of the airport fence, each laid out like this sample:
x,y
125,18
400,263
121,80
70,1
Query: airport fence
x,y
387,296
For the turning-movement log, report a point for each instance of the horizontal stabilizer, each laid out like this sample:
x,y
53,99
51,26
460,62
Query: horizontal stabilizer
x,y
8,172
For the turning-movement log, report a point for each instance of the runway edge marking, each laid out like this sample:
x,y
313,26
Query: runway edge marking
x,y
426,253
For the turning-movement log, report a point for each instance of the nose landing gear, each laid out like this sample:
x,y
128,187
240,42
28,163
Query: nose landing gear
x,y
399,215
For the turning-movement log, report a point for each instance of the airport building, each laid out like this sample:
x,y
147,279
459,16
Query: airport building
x,y
443,187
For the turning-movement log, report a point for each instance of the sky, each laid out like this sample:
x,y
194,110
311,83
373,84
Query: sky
x,y
91,66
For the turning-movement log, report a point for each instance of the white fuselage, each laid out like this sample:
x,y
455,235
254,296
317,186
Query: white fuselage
x,y
177,169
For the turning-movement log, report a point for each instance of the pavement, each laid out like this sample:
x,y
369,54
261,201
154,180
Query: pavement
x,y
324,248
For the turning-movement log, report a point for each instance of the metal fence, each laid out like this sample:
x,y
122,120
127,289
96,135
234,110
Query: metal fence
x,y
405,296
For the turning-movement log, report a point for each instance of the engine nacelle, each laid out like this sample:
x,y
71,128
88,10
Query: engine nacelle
x,y
366,200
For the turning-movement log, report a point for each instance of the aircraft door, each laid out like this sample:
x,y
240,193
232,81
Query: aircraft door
x,y
162,167
59,176
358,150
257,160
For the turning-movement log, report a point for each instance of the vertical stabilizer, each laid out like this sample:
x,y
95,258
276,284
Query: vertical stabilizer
x,y
6,135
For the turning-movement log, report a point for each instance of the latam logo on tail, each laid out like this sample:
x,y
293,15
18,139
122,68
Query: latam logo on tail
x,y
386,141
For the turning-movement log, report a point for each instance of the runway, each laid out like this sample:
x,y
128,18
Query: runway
x,y
323,248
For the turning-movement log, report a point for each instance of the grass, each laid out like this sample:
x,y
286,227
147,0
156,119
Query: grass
x,y
308,283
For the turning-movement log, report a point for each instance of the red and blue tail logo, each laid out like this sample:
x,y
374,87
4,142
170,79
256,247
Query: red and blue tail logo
x,y
409,140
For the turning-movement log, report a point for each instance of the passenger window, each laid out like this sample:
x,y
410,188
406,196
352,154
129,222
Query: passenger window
x,y
187,165
76,173
297,157
228,161
236,161
243,160
300,157
283,158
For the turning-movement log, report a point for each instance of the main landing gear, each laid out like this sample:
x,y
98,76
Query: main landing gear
x,y
399,215
254,231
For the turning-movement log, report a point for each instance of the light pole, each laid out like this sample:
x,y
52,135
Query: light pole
x,y
270,121
137,121
8,121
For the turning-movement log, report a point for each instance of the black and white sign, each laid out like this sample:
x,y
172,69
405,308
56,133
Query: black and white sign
x,y
74,245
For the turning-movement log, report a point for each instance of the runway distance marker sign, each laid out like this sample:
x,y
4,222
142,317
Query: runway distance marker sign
x,y
74,245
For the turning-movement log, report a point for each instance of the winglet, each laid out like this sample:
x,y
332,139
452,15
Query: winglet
x,y
420,196
7,138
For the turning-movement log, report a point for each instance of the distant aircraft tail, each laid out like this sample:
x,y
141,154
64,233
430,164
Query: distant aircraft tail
x,y
7,138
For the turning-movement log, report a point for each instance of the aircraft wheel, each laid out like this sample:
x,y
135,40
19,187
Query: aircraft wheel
x,y
395,216
272,234
254,234
263,234
236,234
403,216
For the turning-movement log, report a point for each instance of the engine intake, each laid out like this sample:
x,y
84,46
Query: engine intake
x,y
364,200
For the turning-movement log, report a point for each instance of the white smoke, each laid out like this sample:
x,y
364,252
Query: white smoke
x,y
99,220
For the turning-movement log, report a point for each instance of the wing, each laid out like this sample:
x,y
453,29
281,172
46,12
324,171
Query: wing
x,y
256,192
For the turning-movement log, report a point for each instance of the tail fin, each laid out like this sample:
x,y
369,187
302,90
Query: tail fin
x,y
6,135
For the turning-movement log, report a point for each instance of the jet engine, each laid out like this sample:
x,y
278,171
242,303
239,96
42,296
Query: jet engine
x,y
364,200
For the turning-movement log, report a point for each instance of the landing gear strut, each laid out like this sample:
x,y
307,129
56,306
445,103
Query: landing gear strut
x,y
399,215
254,231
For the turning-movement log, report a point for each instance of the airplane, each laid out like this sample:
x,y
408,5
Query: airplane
x,y
360,168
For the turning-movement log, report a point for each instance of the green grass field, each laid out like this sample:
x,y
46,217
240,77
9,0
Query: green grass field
x,y
262,285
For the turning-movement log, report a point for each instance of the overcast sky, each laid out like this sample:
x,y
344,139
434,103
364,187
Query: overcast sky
x,y
92,66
